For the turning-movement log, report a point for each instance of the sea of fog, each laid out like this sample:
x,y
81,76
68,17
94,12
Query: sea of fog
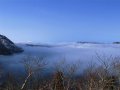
x,y
56,55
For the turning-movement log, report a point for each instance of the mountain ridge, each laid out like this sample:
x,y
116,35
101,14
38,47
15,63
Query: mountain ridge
x,y
7,47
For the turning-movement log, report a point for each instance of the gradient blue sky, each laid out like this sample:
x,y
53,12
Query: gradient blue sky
x,y
60,20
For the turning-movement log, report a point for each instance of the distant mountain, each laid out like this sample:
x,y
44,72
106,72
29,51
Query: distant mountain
x,y
59,44
7,47
89,42
39,45
116,42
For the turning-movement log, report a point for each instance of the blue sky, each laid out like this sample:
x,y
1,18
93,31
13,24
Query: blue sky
x,y
60,20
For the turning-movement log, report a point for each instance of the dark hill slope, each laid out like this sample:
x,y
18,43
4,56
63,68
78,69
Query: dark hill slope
x,y
7,47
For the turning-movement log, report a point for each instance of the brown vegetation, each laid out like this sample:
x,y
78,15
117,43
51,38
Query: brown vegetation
x,y
104,76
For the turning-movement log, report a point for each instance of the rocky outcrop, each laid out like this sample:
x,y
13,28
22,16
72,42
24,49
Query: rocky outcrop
x,y
7,47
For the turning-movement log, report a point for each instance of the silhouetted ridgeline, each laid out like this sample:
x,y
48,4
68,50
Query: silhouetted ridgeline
x,y
33,45
7,47
116,42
